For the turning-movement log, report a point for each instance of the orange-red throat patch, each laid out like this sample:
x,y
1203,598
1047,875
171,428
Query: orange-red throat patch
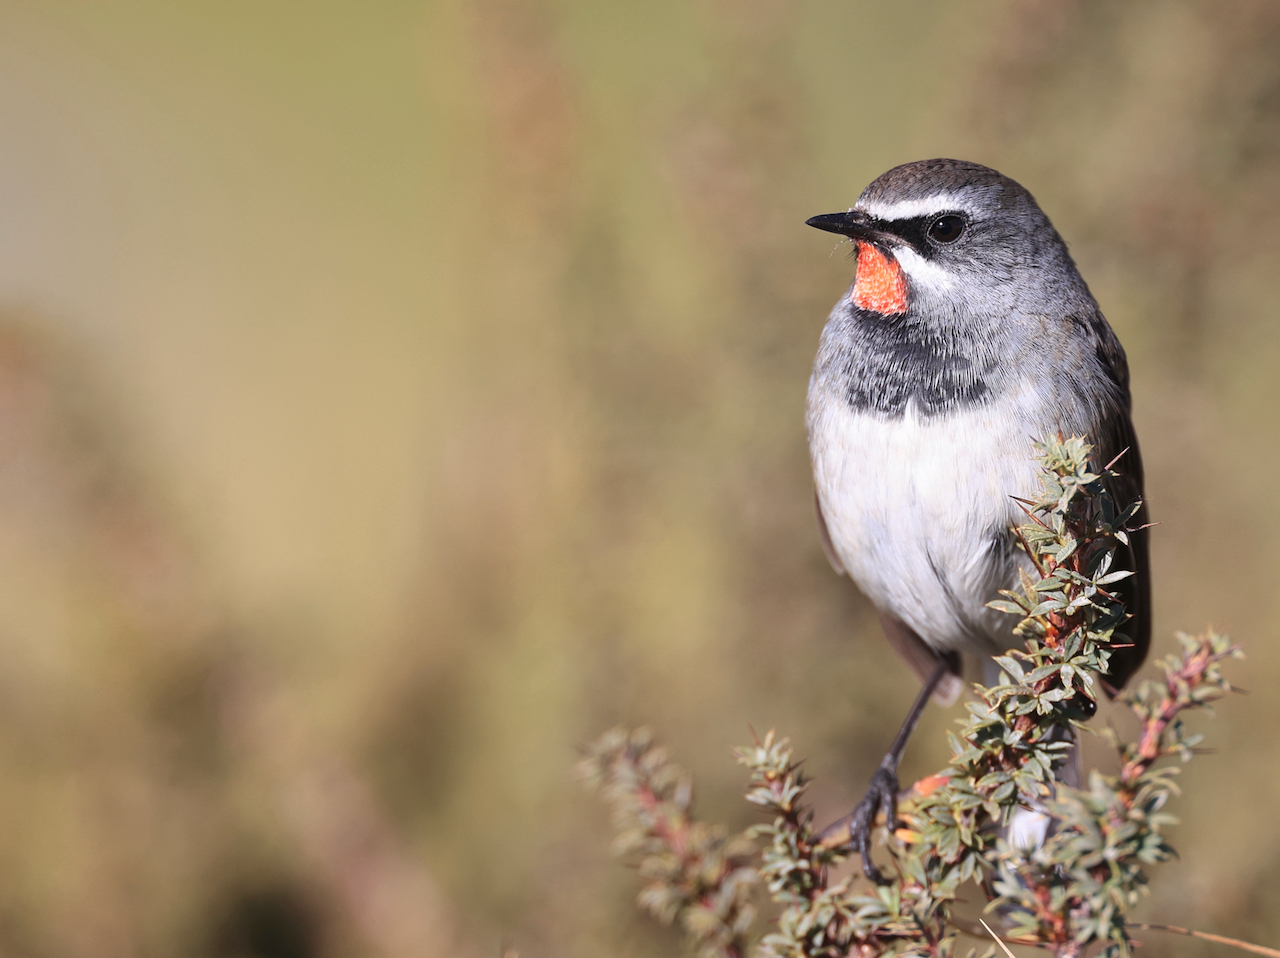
x,y
879,286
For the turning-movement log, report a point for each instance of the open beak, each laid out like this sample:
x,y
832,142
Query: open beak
x,y
854,224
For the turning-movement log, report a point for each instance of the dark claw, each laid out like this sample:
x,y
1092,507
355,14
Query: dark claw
x,y
882,796
854,830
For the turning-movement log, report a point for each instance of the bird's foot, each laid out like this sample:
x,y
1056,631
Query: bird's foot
x,y
855,829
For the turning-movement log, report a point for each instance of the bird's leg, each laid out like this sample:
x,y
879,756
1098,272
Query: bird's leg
x,y
882,794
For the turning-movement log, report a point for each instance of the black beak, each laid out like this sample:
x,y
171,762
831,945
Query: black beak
x,y
854,223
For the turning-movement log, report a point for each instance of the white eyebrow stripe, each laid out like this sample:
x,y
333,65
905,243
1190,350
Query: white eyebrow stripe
x,y
910,209
920,271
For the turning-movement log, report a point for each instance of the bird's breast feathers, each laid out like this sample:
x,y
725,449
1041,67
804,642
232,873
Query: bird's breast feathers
x,y
919,507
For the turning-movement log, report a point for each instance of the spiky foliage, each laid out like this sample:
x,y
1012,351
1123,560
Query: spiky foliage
x,y
693,873
820,919
1076,888
1067,891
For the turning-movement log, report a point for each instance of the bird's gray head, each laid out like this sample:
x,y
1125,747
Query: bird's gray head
x,y
952,241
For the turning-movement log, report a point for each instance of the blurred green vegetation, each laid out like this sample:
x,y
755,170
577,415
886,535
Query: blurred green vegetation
x,y
395,395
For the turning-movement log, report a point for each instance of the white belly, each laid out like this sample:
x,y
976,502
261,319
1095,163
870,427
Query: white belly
x,y
916,509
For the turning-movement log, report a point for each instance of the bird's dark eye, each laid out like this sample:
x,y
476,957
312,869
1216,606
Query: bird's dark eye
x,y
946,229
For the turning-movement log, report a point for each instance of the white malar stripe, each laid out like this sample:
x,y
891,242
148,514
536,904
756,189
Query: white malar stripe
x,y
910,209
921,272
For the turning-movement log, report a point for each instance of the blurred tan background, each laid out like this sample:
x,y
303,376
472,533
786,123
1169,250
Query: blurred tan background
x,y
395,395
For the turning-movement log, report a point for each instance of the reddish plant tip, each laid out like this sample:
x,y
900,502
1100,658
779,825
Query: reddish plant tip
x,y
879,286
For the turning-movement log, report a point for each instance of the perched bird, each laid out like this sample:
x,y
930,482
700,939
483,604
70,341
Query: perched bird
x,y
967,333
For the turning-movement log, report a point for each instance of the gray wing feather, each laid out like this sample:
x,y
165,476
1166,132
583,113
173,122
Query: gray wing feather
x,y
1116,438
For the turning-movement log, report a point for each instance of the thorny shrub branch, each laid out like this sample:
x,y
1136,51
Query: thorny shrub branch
x,y
1071,888
692,872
